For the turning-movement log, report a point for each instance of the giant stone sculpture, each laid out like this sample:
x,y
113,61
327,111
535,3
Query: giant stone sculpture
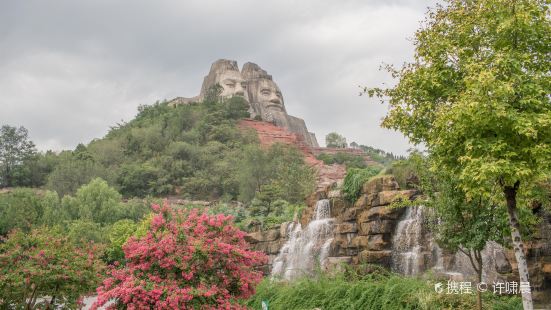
x,y
222,72
257,87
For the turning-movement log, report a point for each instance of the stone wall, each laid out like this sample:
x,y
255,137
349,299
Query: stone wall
x,y
364,229
268,241
364,232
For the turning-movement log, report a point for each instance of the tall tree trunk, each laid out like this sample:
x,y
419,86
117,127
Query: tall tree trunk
x,y
478,257
511,196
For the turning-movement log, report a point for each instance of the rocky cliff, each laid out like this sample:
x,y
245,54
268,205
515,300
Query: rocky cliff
x,y
370,231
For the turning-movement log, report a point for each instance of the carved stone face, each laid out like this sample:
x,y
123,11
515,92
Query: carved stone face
x,y
232,84
226,74
267,96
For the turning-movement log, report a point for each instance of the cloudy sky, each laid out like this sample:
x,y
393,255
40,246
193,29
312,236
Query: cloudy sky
x,y
70,69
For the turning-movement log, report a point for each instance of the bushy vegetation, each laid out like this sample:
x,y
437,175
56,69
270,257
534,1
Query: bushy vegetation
x,y
355,179
95,213
404,171
193,150
335,140
44,269
378,155
186,260
349,291
350,160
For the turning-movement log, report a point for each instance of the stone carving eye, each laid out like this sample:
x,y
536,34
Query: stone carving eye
x,y
243,85
265,92
230,85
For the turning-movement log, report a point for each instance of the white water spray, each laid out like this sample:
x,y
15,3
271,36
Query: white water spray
x,y
307,249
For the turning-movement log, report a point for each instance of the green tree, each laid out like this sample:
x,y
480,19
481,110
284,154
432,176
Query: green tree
x,y
15,148
35,170
43,264
477,95
267,201
20,209
334,139
82,231
99,203
71,172
279,164
460,224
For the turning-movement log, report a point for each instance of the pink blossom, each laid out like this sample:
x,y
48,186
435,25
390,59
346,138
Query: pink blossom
x,y
185,257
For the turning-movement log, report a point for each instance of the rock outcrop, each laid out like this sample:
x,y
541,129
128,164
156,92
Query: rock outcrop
x,y
370,231
363,229
257,87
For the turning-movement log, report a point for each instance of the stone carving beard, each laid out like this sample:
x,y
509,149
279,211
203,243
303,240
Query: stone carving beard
x,y
266,97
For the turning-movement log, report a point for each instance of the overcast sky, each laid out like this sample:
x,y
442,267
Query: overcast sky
x,y
70,69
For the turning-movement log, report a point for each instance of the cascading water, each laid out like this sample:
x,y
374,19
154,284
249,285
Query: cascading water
x,y
410,243
415,251
306,248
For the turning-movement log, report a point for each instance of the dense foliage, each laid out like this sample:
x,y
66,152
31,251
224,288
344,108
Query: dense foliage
x,y
458,224
379,155
348,291
349,160
43,267
15,150
95,213
187,260
355,179
280,169
194,150
336,140
477,95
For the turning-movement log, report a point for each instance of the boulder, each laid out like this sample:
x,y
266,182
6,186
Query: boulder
x,y
346,227
362,202
271,247
382,258
361,242
388,197
381,212
377,227
381,183
344,240
501,262
349,214
377,242
263,236
314,197
338,205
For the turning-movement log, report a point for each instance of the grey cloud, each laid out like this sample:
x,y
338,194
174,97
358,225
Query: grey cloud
x,y
70,69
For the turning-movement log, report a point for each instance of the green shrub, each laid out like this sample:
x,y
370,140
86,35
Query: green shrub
x,y
349,160
345,291
354,180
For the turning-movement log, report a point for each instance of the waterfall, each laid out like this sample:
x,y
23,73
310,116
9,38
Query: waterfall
x,y
306,249
409,243
415,251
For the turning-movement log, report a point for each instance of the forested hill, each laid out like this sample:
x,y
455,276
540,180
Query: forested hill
x,y
193,151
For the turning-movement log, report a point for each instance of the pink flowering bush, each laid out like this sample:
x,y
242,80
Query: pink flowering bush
x,y
187,260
